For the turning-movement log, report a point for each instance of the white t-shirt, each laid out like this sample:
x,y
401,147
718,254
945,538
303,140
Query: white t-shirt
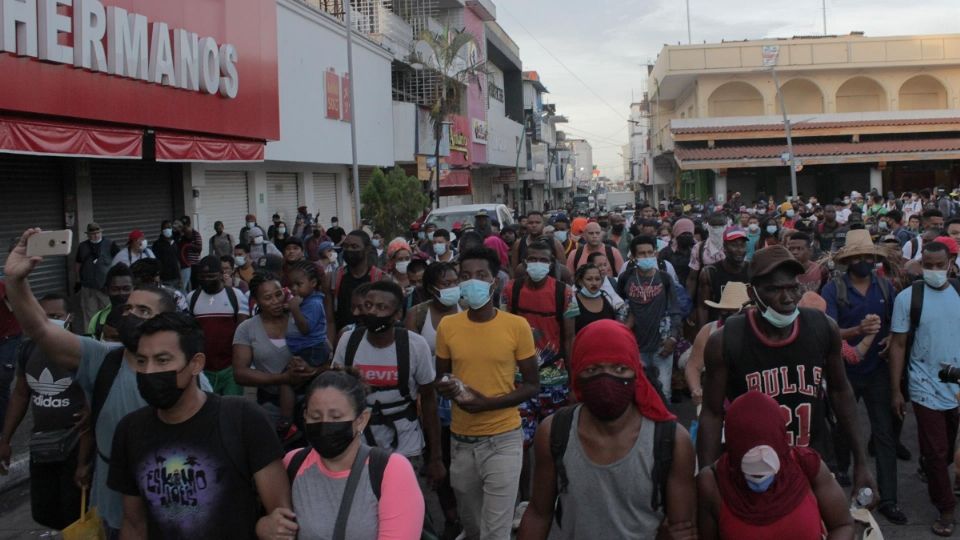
x,y
907,249
126,257
379,368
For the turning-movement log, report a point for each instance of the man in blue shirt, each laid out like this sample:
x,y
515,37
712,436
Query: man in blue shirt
x,y
851,299
934,401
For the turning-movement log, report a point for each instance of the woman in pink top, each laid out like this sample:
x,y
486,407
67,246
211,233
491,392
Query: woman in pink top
x,y
390,508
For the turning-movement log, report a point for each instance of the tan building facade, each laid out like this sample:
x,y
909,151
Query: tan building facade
x,y
866,112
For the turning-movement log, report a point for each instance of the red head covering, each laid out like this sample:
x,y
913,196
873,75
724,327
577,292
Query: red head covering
x,y
578,225
951,244
610,342
754,419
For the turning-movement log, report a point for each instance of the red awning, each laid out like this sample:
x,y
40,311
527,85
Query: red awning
x,y
456,182
186,147
59,138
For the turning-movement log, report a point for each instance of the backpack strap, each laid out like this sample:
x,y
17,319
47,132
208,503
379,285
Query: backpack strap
x,y
402,343
576,258
914,247
842,300
346,502
379,458
420,315
663,438
104,382
231,435
193,299
232,297
353,344
296,462
515,287
560,428
561,293
609,253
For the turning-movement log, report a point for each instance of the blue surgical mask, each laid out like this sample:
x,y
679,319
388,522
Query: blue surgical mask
x,y
449,296
762,485
560,236
790,213
440,249
475,292
167,233
935,278
538,270
587,294
376,243
647,263
240,261
776,318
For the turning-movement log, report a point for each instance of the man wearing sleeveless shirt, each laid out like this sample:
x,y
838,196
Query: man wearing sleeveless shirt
x,y
787,353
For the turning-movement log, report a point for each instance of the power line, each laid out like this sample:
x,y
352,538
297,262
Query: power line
x,y
570,71
593,136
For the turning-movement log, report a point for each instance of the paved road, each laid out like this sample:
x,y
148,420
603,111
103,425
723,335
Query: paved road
x,y
15,521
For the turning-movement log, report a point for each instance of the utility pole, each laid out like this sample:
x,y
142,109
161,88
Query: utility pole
x,y
786,127
824,17
353,118
689,35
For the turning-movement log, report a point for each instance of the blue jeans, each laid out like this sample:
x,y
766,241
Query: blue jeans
x,y
8,353
185,279
316,356
659,370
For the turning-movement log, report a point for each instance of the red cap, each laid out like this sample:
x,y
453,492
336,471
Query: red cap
x,y
951,244
135,235
733,233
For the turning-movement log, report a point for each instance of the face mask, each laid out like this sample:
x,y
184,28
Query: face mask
x,y
422,235
538,270
604,224
258,240
861,268
585,292
334,223
475,292
211,286
282,230
353,257
440,249
753,227
935,278
167,233
119,300
560,236
449,296
760,466
617,229
376,323
771,229
143,245
685,241
251,224
883,225
330,439
160,389
375,241
607,396
401,266
127,329
59,323
776,318
790,213
240,261
647,263
762,485
665,238
716,233
97,241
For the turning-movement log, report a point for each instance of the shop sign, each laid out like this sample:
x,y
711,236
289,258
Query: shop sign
x,y
332,84
345,91
460,135
480,132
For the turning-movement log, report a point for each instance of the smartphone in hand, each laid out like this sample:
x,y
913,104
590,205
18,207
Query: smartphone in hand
x,y
47,243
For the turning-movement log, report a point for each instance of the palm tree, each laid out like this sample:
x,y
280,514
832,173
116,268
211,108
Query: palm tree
x,y
453,74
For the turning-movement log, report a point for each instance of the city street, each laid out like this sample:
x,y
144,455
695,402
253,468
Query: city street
x,y
15,522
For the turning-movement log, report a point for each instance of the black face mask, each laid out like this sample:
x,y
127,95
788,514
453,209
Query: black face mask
x,y
861,268
617,229
127,329
375,323
119,300
160,389
353,257
330,439
604,224
685,241
211,286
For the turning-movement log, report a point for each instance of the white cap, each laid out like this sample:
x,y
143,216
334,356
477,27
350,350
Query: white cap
x,y
760,462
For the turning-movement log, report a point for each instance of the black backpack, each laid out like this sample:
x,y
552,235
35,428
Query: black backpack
x,y
916,310
559,296
377,416
608,249
663,438
232,296
375,467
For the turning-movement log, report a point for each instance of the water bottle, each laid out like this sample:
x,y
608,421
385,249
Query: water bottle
x,y
863,499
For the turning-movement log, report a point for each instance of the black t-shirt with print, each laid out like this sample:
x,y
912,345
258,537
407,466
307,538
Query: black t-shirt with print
x,y
189,483
54,394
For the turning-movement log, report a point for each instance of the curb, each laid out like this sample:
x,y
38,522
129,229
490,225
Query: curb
x,y
18,473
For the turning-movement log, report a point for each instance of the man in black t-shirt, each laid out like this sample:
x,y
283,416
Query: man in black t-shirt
x,y
787,353
336,233
192,464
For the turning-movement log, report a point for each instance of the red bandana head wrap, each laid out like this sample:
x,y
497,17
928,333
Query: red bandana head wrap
x,y
754,419
609,342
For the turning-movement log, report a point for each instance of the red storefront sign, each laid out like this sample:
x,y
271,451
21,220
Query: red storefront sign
x,y
207,67
347,113
332,85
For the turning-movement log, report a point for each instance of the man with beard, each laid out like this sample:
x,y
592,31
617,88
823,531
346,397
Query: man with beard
x,y
192,464
716,276
219,310
105,371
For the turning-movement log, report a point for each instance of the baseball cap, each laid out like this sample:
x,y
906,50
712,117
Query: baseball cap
x,y
293,241
951,244
482,213
324,246
768,259
93,227
734,233
135,235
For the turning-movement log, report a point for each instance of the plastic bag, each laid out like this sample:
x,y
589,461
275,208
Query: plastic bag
x,y
865,526
88,527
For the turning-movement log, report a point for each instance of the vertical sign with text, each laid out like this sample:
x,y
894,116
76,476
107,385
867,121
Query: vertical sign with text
x,y
332,84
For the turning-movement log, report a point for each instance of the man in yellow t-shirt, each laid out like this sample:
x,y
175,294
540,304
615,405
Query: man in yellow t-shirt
x,y
478,354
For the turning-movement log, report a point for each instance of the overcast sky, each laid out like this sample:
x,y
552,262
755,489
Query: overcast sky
x,y
607,44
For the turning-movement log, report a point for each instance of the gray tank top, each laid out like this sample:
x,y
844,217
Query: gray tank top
x,y
316,500
608,501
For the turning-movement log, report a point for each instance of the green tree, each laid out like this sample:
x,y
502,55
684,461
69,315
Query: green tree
x,y
392,201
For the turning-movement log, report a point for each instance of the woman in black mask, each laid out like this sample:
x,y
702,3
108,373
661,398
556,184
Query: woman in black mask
x,y
371,489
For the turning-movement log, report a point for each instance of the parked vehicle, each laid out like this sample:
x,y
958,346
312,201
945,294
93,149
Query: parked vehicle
x,y
620,198
445,218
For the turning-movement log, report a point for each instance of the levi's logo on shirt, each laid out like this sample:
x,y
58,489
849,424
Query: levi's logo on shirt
x,y
379,375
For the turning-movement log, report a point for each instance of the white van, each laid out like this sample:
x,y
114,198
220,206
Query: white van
x,y
445,218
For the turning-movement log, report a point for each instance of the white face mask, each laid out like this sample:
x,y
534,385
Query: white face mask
x,y
251,224
282,230
143,245
401,266
240,260
167,233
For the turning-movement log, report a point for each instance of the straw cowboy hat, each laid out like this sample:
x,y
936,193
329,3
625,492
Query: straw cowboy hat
x,y
859,243
733,297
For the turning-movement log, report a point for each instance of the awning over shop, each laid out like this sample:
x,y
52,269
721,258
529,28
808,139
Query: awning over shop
x,y
189,147
21,135
456,182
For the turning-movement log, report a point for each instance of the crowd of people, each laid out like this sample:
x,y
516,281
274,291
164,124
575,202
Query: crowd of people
x,y
316,383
